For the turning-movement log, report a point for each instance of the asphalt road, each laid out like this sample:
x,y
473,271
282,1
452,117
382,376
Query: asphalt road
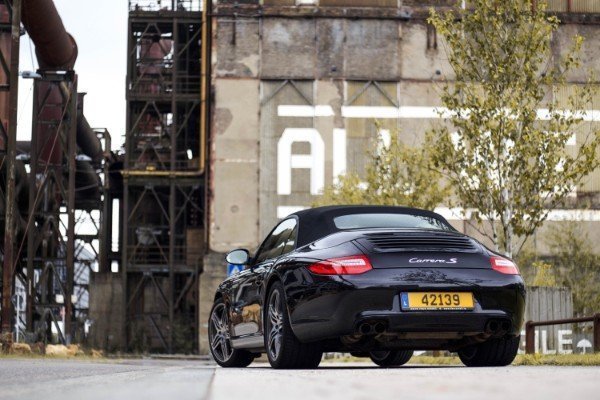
x,y
182,380
86,380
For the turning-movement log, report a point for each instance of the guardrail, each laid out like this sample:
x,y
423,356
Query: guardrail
x,y
531,325
165,5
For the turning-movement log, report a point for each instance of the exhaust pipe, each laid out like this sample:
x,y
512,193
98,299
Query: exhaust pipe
x,y
372,327
379,327
365,328
495,326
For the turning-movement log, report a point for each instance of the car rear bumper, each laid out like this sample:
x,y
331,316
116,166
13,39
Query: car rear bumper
x,y
332,307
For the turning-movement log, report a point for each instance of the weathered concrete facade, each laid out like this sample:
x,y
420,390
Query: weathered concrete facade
x,y
297,91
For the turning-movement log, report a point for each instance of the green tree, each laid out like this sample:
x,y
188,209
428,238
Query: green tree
x,y
396,174
504,151
544,275
576,266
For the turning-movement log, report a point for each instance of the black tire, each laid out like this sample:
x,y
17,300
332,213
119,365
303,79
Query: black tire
x,y
492,353
219,340
284,350
388,359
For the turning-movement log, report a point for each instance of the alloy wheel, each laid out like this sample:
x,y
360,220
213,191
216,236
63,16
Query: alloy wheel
x,y
274,325
220,341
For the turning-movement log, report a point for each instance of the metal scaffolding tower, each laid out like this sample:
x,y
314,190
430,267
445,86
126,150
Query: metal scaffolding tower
x,y
47,253
67,218
163,211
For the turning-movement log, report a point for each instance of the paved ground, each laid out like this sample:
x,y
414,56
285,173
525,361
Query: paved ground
x,y
86,380
182,380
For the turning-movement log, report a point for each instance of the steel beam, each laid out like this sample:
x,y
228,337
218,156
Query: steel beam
x,y
70,203
9,265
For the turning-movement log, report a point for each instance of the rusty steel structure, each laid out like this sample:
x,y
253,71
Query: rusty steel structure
x,y
163,216
10,27
531,325
48,252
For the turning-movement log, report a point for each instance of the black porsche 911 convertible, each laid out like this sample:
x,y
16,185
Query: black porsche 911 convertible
x,y
375,281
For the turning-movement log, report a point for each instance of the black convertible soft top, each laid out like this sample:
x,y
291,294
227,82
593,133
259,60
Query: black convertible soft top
x,y
316,223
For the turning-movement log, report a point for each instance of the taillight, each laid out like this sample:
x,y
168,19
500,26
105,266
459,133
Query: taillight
x,y
504,266
353,265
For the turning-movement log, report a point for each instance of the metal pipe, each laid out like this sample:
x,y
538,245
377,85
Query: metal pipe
x,y
55,50
87,140
54,47
127,173
87,185
561,321
5,48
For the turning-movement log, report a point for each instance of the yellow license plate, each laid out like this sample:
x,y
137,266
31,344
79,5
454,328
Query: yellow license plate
x,y
437,301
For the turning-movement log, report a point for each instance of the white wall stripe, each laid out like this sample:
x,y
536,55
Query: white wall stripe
x,y
586,115
458,214
405,112
339,154
284,211
423,112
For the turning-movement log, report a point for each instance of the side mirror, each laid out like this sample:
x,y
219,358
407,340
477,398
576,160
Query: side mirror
x,y
238,257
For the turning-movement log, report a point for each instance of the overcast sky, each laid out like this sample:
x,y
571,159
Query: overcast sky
x,y
100,29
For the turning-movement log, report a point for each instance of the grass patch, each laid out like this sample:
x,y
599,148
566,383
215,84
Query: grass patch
x,y
559,359
522,359
447,360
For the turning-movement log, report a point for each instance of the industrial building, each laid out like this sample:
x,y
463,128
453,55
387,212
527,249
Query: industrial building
x,y
297,87
238,113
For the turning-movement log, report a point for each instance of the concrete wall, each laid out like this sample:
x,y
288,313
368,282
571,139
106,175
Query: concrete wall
x,y
262,64
336,74
235,159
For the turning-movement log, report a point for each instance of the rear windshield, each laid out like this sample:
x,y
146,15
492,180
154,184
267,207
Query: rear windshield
x,y
359,221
